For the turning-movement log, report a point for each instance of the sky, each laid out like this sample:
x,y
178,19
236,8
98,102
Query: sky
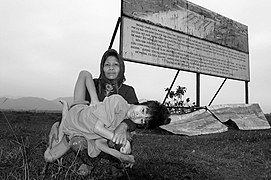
x,y
44,44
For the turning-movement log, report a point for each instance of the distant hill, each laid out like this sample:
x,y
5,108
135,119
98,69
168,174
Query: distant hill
x,y
32,103
35,103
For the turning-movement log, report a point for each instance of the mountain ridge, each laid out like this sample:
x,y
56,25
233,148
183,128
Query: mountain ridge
x,y
32,103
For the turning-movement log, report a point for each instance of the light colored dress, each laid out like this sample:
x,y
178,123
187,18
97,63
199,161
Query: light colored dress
x,y
81,119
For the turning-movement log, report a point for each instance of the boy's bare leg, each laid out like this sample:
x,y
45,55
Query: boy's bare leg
x,y
85,82
102,145
57,149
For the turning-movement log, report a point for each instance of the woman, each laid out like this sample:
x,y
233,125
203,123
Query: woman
x,y
110,82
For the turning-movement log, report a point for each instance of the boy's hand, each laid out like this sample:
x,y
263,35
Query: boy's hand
x,y
53,135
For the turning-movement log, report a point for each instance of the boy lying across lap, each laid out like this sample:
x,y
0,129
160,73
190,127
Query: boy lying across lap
x,y
96,122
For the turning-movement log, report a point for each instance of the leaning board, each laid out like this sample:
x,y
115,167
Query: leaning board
x,y
246,116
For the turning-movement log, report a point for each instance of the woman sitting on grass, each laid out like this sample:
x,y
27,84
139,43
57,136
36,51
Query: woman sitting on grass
x,y
110,81
98,121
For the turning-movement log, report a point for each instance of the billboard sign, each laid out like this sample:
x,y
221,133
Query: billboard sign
x,y
181,35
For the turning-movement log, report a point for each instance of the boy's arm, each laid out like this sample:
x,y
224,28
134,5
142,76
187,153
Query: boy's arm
x,y
103,131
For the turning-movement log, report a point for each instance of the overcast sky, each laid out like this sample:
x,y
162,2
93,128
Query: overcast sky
x,y
45,43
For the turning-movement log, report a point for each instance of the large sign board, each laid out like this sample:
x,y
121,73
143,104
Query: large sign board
x,y
182,35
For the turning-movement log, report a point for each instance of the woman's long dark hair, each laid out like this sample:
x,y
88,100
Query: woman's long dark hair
x,y
103,82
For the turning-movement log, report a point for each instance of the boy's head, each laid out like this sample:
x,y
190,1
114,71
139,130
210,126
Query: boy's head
x,y
149,114
158,114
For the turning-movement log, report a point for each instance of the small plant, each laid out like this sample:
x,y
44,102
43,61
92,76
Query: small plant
x,y
175,102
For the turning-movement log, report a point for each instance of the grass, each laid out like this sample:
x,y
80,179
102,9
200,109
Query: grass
x,y
159,155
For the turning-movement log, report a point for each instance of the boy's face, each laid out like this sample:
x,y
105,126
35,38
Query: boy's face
x,y
138,113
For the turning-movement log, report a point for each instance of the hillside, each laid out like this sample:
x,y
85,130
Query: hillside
x,y
32,103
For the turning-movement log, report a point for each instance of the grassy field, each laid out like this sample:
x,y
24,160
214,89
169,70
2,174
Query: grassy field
x,y
159,155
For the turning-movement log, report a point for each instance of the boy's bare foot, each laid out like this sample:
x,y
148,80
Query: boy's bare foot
x,y
50,155
128,160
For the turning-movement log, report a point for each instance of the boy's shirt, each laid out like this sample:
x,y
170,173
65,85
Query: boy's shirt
x,y
112,111
81,119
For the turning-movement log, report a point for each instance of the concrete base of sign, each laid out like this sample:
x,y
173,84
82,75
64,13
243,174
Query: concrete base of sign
x,y
246,117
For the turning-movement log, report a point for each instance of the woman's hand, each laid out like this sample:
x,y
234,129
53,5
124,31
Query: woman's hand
x,y
93,104
53,135
120,134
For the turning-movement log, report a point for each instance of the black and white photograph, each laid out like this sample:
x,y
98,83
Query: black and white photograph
x,y
135,89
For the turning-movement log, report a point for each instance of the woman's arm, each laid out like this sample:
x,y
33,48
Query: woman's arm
x,y
103,131
121,133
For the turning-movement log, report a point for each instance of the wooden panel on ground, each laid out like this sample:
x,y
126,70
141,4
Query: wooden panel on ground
x,y
195,123
246,116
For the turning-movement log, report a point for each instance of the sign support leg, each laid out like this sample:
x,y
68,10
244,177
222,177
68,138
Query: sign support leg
x,y
198,89
246,92
114,34
217,92
171,86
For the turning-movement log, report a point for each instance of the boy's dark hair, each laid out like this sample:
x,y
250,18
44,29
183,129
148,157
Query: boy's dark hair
x,y
159,114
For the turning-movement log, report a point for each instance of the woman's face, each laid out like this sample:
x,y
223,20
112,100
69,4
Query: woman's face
x,y
111,67
138,114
